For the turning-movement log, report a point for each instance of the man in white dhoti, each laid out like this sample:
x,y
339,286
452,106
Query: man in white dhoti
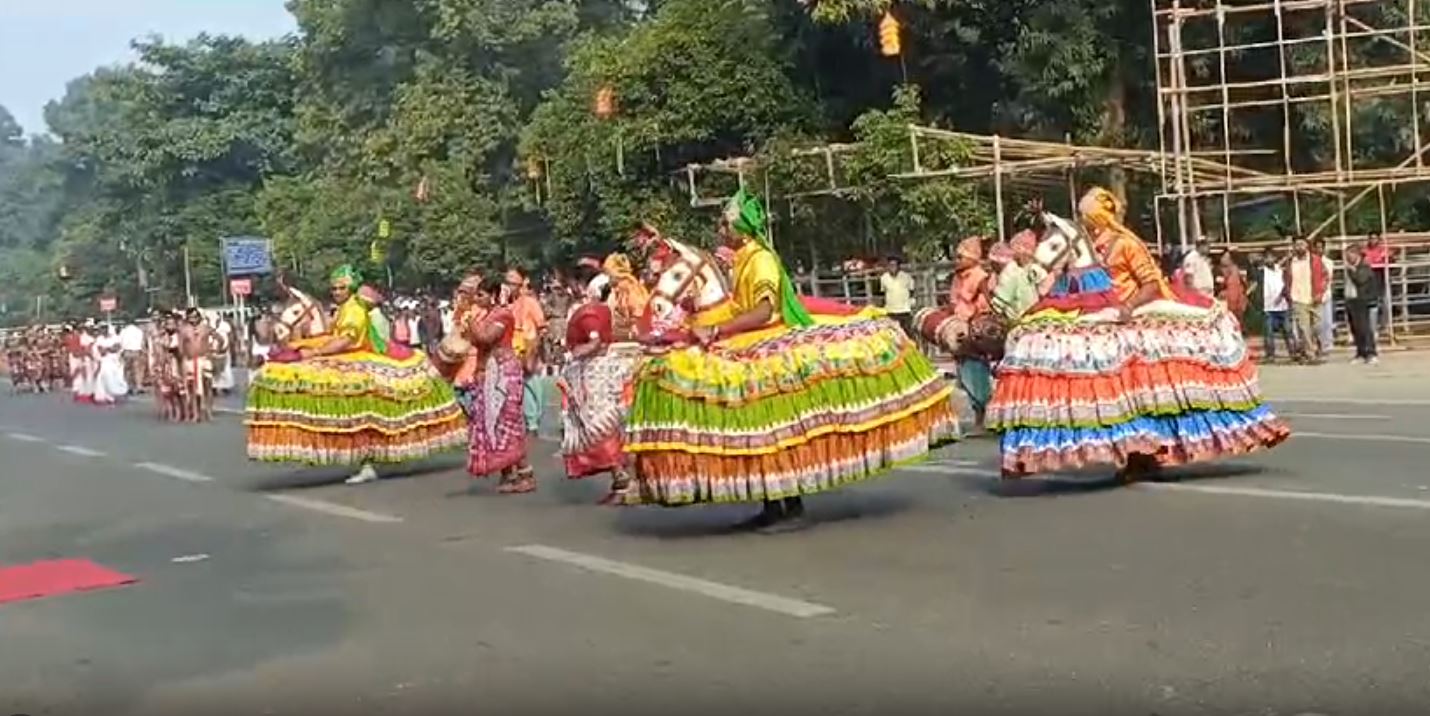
x,y
109,382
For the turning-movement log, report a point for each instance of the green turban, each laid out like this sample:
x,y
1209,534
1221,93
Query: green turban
x,y
345,276
746,215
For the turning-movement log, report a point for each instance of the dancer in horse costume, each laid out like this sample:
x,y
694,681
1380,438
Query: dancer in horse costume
x,y
351,396
1114,366
775,403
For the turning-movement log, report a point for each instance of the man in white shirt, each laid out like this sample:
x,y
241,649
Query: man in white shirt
x,y
131,351
898,287
1197,267
1274,305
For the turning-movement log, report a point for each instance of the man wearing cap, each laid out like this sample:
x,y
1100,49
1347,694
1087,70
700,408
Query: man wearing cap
x,y
1016,289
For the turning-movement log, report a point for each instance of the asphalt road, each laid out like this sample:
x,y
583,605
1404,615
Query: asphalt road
x,y
1289,583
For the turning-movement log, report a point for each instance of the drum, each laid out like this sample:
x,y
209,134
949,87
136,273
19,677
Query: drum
x,y
987,333
451,353
940,327
980,337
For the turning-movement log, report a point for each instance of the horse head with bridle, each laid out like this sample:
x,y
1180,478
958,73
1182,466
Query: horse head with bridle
x,y
303,317
1064,246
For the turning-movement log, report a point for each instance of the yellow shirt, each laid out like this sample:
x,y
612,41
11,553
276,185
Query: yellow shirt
x,y
757,278
352,324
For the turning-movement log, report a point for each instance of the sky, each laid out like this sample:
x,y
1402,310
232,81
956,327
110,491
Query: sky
x,y
46,43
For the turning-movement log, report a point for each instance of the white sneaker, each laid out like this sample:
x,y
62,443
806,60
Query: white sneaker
x,y
1373,360
366,474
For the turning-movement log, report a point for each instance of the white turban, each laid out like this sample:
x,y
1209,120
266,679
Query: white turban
x,y
597,284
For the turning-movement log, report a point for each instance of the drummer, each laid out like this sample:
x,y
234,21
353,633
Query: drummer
x,y
969,295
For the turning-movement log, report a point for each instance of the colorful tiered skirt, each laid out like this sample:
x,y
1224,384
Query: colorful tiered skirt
x,y
352,409
783,412
594,399
1177,385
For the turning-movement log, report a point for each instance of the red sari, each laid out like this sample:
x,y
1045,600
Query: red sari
x,y
594,395
1233,291
497,431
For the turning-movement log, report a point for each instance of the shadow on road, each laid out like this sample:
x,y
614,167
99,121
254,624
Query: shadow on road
x,y
316,477
700,521
1101,479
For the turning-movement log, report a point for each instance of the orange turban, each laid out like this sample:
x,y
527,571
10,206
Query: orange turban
x,y
618,267
970,248
1100,210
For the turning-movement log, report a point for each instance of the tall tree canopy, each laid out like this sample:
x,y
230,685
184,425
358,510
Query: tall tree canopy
x,y
470,129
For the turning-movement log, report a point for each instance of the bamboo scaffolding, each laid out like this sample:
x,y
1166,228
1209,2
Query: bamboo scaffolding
x,y
1336,88
1286,6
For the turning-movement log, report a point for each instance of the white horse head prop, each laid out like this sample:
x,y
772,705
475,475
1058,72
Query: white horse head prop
x,y
303,317
1063,239
687,275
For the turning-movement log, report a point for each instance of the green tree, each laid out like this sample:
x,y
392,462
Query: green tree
x,y
697,81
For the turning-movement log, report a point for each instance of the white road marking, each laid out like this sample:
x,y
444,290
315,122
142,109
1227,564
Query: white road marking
x,y
1369,500
188,558
1335,416
229,411
79,450
671,580
171,471
959,463
1369,438
335,509
24,437
1350,401
943,469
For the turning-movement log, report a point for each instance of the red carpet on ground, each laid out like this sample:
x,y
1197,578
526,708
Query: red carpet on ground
x,y
55,577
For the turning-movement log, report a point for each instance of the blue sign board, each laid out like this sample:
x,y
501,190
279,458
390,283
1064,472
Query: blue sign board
x,y
247,256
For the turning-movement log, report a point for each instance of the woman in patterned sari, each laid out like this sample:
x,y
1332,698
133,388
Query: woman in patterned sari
x,y
594,393
497,435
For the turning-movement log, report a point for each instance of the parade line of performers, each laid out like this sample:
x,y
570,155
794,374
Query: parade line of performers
x,y
720,384
183,357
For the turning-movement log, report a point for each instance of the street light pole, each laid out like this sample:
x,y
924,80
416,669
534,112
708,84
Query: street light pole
x,y
188,279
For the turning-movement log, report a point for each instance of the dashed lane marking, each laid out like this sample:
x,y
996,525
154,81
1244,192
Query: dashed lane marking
x,y
172,471
715,590
24,437
334,509
79,450
1366,438
1331,497
1350,401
